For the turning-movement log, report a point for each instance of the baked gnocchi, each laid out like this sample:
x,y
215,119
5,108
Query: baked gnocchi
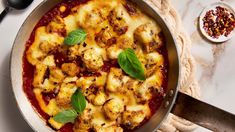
x,y
56,66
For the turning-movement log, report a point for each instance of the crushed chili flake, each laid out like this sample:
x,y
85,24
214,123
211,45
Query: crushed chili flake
x,y
218,22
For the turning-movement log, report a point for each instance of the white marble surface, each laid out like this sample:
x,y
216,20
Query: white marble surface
x,y
215,62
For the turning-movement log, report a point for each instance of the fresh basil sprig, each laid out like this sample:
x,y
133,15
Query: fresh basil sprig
x,y
129,62
75,37
78,103
66,116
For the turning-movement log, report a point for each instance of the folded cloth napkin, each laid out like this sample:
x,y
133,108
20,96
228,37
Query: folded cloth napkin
x,y
188,82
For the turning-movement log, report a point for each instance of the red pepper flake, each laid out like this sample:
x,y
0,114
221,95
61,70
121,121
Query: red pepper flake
x,y
218,22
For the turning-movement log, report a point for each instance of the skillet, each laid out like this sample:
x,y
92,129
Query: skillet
x,y
175,102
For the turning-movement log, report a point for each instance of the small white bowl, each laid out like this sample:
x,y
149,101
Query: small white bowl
x,y
221,38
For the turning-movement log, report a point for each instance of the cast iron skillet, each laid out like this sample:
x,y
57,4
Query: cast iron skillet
x,y
176,102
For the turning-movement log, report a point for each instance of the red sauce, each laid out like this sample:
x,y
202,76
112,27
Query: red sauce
x,y
67,128
86,73
28,69
109,64
60,57
48,96
130,8
28,75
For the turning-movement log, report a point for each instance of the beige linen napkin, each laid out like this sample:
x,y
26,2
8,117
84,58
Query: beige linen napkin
x,y
188,83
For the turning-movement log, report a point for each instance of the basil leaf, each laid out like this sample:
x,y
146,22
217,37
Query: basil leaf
x,y
66,116
129,62
75,37
78,101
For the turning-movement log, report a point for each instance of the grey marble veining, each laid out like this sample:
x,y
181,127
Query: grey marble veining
x,y
215,62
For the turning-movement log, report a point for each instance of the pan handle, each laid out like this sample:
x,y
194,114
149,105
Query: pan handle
x,y
203,114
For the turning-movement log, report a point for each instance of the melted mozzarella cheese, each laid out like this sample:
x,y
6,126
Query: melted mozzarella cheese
x,y
49,61
55,124
70,23
93,17
51,109
34,52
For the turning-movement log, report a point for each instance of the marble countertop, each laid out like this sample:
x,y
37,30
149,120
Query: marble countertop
x,y
215,63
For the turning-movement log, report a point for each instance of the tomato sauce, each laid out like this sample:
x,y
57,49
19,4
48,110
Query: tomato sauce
x,y
28,69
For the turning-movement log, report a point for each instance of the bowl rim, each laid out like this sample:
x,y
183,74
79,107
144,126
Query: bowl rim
x,y
221,38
